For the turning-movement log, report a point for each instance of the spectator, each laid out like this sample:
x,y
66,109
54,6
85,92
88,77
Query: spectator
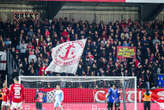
x,y
156,40
31,57
125,43
7,42
64,33
100,55
47,33
148,78
30,33
42,70
23,48
2,44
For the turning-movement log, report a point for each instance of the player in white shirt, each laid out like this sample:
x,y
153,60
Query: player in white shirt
x,y
59,96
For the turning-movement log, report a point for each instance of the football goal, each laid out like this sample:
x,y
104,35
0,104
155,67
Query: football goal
x,y
81,92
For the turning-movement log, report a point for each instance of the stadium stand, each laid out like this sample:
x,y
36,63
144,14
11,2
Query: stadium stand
x,y
30,42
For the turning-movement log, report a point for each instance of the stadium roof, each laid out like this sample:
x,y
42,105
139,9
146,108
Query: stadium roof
x,y
147,11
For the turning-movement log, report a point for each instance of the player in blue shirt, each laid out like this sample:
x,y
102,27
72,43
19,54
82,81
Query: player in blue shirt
x,y
117,99
110,97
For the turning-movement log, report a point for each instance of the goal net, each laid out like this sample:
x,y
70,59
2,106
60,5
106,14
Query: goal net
x,y
80,93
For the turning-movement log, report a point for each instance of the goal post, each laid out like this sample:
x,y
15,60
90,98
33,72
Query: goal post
x,y
87,92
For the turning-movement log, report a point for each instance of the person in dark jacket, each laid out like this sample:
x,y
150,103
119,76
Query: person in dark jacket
x,y
39,99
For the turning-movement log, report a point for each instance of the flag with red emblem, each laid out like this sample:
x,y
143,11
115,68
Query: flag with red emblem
x,y
66,57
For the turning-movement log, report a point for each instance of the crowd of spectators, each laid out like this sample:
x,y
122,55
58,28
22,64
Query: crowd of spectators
x,y
31,41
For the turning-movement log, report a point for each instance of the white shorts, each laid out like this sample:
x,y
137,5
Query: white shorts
x,y
57,103
5,103
16,105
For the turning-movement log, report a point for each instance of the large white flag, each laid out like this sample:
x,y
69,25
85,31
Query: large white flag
x,y
66,57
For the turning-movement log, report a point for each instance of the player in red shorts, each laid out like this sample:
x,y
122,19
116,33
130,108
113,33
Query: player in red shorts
x,y
17,95
6,98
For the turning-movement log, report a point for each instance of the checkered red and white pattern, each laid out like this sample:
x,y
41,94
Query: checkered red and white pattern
x,y
51,96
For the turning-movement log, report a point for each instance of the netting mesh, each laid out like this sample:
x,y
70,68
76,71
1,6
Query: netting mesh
x,y
86,91
68,82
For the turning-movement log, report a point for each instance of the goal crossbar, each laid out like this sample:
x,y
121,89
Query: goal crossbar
x,y
73,78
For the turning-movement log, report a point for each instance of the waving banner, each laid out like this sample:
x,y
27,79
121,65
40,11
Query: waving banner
x,y
126,52
66,57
